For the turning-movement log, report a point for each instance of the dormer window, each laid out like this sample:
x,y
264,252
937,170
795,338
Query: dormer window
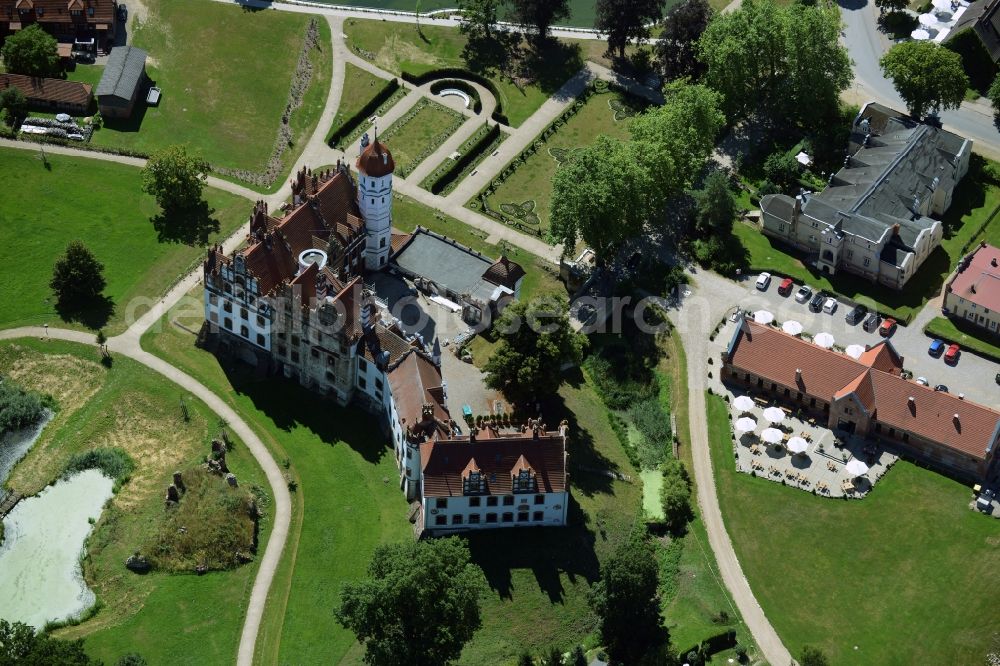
x,y
523,477
473,481
90,11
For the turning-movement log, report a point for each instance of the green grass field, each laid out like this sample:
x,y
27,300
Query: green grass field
x,y
975,203
359,86
532,180
398,48
971,337
160,615
417,134
467,146
101,204
225,75
866,581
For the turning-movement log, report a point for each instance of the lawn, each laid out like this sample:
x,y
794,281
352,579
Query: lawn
x,y
476,142
529,187
867,580
225,74
398,48
99,203
86,74
160,615
971,337
975,204
360,86
419,133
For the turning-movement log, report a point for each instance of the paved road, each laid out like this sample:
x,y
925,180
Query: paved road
x,y
973,120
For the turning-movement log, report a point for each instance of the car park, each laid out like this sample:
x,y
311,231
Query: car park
x,y
871,322
951,356
816,304
803,294
763,281
922,381
830,305
887,328
942,388
936,348
785,288
856,314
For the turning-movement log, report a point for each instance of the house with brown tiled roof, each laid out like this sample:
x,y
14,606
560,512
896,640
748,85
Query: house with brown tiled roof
x,y
66,20
51,95
972,294
867,397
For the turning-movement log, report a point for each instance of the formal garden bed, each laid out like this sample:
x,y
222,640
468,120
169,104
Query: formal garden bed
x,y
521,194
471,153
419,133
364,95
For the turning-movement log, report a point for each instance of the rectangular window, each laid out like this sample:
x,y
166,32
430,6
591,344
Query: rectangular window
x,y
491,518
362,383
539,499
378,383
473,501
314,352
295,357
228,323
456,519
362,365
295,340
281,350
260,340
243,313
260,321
508,517
867,261
508,500
227,306
441,520
522,517
538,516
441,503
491,501
473,518
213,299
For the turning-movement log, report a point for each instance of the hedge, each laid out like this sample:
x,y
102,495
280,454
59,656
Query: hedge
x,y
464,160
446,72
713,644
464,86
349,125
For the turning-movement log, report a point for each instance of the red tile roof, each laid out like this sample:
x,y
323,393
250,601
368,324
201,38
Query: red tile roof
x,y
57,11
883,356
978,279
774,355
415,382
58,91
504,272
444,462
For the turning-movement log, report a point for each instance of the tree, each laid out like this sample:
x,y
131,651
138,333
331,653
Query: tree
x,y
21,646
780,62
627,604
676,50
715,206
31,51
14,104
554,658
675,494
535,342
890,5
578,658
479,17
782,169
812,657
77,277
600,195
525,660
131,659
419,605
926,75
177,180
994,94
537,16
675,139
626,20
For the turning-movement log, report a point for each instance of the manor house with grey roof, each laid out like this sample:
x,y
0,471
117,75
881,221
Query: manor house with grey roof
x,y
874,219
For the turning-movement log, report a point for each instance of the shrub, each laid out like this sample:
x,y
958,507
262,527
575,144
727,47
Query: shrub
x,y
675,495
653,423
112,462
18,408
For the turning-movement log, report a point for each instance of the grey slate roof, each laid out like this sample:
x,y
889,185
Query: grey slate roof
x,y
123,72
447,264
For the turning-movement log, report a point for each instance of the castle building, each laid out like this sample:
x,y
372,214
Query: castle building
x,y
293,302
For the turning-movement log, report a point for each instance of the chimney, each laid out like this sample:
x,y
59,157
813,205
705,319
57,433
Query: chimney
x,y
993,262
961,396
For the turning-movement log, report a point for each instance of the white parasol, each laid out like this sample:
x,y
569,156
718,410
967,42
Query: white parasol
x,y
763,317
943,5
746,424
771,435
920,35
792,327
928,20
856,468
854,351
824,340
774,414
797,445
743,403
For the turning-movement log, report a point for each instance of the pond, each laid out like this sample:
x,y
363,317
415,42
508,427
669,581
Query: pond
x,y
13,446
40,573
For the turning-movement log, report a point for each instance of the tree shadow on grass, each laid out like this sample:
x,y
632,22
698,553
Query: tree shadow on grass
x,y
93,313
550,65
192,225
548,552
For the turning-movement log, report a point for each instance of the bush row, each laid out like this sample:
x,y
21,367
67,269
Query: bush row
x,y
445,72
464,86
365,112
112,462
470,155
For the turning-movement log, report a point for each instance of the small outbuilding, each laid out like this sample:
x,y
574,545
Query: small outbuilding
x,y
50,95
123,79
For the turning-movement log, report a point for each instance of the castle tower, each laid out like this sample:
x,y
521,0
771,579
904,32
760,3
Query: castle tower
x,y
375,167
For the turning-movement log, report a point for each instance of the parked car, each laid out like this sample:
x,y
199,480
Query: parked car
x,y
922,381
830,305
785,288
871,322
936,348
951,356
816,304
942,388
763,281
803,294
887,328
856,314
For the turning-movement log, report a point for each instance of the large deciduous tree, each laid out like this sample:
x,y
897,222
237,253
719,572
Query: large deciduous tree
x,y
13,105
535,342
77,277
537,16
418,606
21,646
627,604
890,5
31,51
177,180
626,20
676,49
601,194
784,62
926,75
715,206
